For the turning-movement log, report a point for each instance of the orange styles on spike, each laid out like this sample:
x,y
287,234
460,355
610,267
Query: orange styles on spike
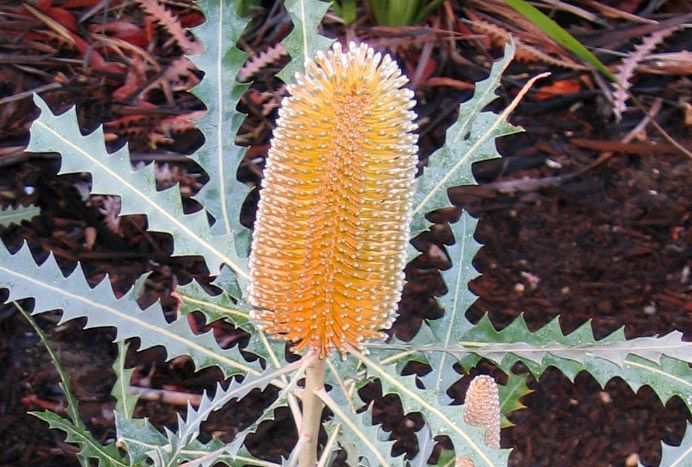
x,y
332,225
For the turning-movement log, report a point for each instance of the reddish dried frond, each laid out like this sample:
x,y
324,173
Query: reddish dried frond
x,y
333,219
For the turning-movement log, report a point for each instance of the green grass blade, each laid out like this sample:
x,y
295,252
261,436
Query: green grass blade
x,y
562,37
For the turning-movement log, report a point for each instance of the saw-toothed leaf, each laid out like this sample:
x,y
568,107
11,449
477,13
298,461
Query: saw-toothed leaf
x,y
203,455
426,444
468,440
223,195
677,456
112,174
16,215
510,396
304,40
283,398
214,307
455,302
644,360
188,429
470,139
193,297
125,401
107,456
72,294
363,441
214,453
533,346
139,437
640,361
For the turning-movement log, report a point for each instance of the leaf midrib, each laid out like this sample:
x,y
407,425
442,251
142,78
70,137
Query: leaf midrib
x,y
472,149
236,268
169,335
403,389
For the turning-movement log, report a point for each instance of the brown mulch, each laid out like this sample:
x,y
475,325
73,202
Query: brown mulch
x,y
611,245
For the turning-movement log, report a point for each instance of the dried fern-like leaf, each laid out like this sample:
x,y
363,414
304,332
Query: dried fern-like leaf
x,y
170,23
333,219
253,66
629,64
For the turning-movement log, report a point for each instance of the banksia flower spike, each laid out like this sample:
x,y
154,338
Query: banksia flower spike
x,y
482,408
333,220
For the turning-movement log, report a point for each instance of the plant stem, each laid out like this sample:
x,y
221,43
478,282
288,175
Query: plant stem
x,y
312,413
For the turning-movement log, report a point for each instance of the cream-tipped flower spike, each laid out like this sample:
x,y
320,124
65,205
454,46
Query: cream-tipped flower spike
x,y
482,408
333,220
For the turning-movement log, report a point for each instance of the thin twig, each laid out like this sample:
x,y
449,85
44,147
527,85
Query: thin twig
x,y
166,396
23,95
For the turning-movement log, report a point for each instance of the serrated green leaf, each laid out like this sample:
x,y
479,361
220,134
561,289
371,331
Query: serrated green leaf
x,y
222,306
455,303
362,440
343,375
205,455
50,290
578,345
144,441
470,139
426,444
112,174
139,437
304,40
223,195
214,453
16,215
188,429
677,456
640,361
193,297
125,401
283,398
670,378
510,396
468,440
107,456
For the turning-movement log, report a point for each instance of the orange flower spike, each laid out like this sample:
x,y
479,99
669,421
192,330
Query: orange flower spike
x,y
333,220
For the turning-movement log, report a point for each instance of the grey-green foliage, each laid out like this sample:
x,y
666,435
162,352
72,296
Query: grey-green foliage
x,y
72,425
125,401
660,362
16,215
678,456
470,139
220,156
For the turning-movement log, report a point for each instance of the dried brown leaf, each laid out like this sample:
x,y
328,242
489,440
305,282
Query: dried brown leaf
x,y
628,65
171,24
268,57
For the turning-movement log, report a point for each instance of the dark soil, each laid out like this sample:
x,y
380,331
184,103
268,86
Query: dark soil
x,y
611,245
